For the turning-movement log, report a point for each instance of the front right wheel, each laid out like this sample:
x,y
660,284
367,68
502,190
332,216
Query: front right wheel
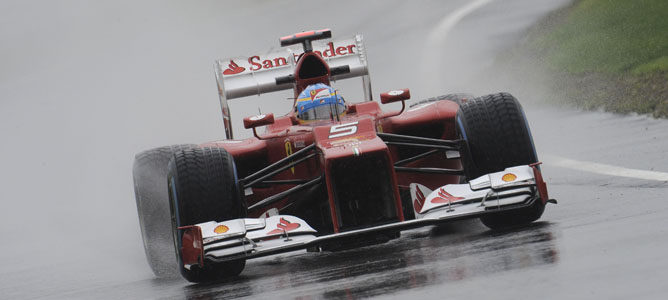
x,y
149,173
497,136
203,186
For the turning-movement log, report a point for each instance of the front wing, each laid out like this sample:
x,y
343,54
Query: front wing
x,y
512,189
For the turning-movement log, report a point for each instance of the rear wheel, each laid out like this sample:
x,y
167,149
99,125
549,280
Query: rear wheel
x,y
203,187
149,173
497,136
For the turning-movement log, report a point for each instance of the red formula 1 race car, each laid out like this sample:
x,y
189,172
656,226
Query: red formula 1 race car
x,y
332,174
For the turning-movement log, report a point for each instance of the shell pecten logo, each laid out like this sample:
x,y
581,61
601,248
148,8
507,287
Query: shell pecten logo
x,y
221,229
508,177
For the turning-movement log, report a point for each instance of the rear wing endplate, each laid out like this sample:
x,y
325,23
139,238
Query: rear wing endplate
x,y
254,75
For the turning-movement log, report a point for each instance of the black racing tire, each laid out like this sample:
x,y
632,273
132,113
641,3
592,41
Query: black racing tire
x,y
149,173
459,98
203,186
497,136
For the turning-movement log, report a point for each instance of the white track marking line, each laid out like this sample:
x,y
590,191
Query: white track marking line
x,y
438,34
604,169
434,42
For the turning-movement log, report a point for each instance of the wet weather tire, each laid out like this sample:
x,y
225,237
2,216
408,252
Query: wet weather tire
x,y
150,183
497,136
203,187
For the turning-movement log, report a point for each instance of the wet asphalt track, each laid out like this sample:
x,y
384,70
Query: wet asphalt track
x,y
76,235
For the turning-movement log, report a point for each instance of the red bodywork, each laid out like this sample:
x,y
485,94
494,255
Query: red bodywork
x,y
287,135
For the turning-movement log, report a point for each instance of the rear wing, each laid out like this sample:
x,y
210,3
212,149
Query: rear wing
x,y
254,75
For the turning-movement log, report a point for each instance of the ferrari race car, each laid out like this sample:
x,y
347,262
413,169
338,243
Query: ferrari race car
x,y
331,174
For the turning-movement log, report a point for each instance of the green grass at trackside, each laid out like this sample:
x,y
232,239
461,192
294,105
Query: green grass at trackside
x,y
610,36
610,54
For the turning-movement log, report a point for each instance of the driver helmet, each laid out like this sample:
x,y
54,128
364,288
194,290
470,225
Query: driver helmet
x,y
319,102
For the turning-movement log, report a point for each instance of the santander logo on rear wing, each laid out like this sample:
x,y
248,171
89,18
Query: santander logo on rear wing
x,y
256,74
258,63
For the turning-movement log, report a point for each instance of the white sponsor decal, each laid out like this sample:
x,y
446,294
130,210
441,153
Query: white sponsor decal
x,y
279,59
299,143
342,130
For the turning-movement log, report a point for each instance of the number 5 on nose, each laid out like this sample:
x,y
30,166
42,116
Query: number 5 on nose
x,y
342,130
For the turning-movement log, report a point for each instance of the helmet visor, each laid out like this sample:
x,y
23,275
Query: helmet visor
x,y
322,112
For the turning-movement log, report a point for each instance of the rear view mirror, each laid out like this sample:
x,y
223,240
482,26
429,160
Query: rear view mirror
x,y
394,96
257,121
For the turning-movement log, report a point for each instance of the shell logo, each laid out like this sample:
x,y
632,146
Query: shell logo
x,y
509,177
221,229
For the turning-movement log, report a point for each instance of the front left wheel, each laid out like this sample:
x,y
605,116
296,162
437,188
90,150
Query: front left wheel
x,y
203,187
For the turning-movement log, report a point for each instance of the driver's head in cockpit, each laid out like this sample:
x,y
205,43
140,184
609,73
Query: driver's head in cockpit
x,y
319,102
